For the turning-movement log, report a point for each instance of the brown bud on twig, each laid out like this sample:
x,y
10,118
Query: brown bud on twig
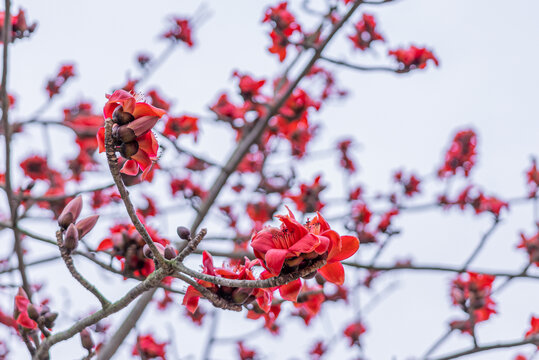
x,y
124,133
71,238
119,116
86,340
148,252
70,213
142,125
183,232
240,295
85,225
49,319
129,149
170,252
32,311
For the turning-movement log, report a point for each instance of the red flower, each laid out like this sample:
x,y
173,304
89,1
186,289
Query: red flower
x,y
175,126
531,245
365,32
534,327
249,88
19,26
471,292
353,332
461,154
284,25
180,31
158,101
36,168
308,200
149,348
532,178
21,310
318,350
340,248
187,188
245,353
53,85
131,131
292,242
345,161
410,184
413,58
309,303
235,295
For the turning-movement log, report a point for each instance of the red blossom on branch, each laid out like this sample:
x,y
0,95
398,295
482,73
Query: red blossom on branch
x,y
366,33
148,348
461,154
413,58
131,132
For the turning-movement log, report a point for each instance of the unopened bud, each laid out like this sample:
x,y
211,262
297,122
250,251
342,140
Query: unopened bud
x,y
142,125
71,238
70,213
310,276
240,295
119,116
148,252
124,134
128,149
85,225
170,252
32,311
86,340
183,232
49,319
320,279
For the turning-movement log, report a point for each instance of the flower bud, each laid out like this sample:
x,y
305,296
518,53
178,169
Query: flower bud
x,y
49,319
119,116
32,311
240,295
148,252
129,149
142,125
85,225
70,213
71,238
124,134
183,232
170,252
86,340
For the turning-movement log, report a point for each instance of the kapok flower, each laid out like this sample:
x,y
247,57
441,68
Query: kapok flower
x,y
534,327
234,295
340,248
149,348
285,249
131,131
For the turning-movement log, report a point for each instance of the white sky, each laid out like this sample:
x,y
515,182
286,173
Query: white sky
x,y
487,80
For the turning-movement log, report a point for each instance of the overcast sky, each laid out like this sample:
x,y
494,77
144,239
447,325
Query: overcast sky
x,y
487,80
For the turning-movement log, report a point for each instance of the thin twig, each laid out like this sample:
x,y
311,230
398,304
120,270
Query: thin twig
x,y
76,275
113,166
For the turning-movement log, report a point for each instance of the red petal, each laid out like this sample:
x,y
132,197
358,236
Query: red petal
x,y
130,168
207,261
291,290
105,245
142,109
101,139
275,260
350,244
21,303
190,300
25,321
306,244
333,272
263,240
